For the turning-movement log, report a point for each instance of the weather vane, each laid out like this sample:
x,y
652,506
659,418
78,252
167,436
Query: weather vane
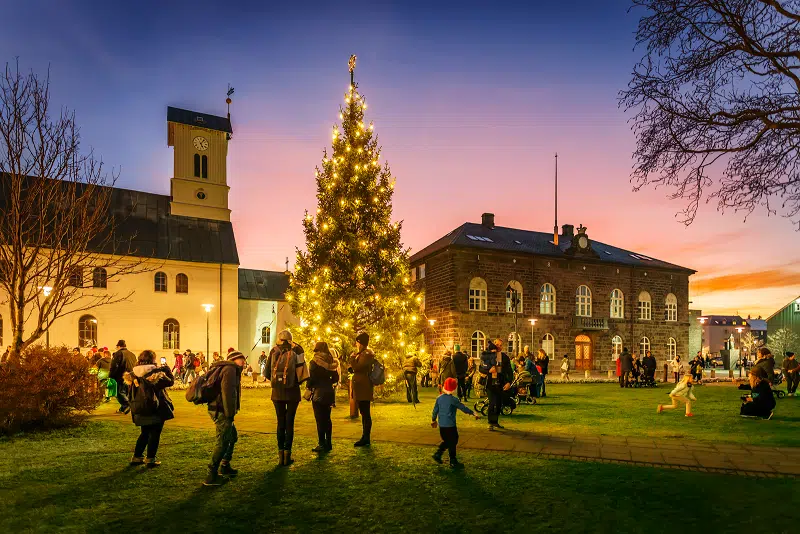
x,y
352,65
228,99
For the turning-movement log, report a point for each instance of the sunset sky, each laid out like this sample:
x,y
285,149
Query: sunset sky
x,y
469,104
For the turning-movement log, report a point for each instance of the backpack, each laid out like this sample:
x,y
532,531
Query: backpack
x,y
143,398
284,369
205,388
377,375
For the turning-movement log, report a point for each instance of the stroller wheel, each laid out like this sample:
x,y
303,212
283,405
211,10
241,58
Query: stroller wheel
x,y
483,409
530,400
780,394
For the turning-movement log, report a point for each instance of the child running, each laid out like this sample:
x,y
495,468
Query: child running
x,y
682,391
445,409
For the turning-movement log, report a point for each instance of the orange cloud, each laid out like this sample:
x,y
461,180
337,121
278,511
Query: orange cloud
x,y
780,277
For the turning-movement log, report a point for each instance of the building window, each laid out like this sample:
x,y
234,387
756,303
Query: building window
x,y
644,346
671,308
76,277
616,347
197,165
672,348
583,302
797,306
645,306
514,297
617,304
181,283
265,335
204,164
87,331
172,335
477,343
514,342
547,300
160,282
477,294
421,271
99,278
548,345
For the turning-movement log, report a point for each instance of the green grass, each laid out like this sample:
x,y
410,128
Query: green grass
x,y
77,481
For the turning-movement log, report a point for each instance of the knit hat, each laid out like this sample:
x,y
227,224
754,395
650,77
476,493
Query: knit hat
x,y
121,343
231,349
450,385
490,346
457,347
789,354
285,335
235,355
321,346
363,338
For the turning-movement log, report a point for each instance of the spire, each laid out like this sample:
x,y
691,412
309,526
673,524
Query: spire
x,y
228,100
555,221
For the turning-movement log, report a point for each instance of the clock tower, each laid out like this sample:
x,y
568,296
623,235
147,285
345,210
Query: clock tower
x,y
199,185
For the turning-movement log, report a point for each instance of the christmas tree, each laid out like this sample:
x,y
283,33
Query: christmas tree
x,y
354,275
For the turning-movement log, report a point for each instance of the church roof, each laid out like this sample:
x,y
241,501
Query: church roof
x,y
498,238
201,120
262,285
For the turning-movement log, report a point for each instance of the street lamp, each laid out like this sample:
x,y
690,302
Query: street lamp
x,y
46,290
208,308
533,323
741,362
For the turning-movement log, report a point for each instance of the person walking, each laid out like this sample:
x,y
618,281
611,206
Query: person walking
x,y
677,368
177,369
565,367
411,366
262,364
286,370
447,369
543,361
150,405
362,390
189,366
497,366
461,364
444,416
223,410
626,367
683,392
790,368
696,368
123,361
323,374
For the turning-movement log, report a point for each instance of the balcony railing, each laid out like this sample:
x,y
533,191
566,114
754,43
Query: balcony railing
x,y
590,323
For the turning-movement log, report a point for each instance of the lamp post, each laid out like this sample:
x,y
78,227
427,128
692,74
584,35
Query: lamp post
x,y
46,290
741,363
533,323
208,308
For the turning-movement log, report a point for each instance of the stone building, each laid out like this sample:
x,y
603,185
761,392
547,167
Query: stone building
x,y
578,297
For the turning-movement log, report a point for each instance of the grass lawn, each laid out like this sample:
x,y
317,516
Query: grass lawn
x,y
77,481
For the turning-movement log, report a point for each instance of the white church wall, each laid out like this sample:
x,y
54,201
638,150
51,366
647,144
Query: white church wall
x,y
254,315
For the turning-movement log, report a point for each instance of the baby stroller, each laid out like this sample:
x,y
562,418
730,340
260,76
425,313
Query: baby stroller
x,y
647,379
777,380
509,401
523,384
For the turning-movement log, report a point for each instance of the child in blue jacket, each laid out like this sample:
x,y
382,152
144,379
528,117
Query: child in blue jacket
x,y
445,410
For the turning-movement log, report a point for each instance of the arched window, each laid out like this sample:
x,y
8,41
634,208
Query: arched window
x,y
548,345
514,296
197,165
204,165
672,348
265,335
181,283
617,304
671,308
76,277
616,347
514,342
583,302
477,294
644,346
547,300
160,282
87,331
477,343
99,278
172,334
645,306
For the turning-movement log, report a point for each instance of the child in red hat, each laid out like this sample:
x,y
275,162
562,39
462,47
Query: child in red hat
x,y
445,410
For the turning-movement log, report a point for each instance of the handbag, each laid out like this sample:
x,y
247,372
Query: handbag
x,y
301,370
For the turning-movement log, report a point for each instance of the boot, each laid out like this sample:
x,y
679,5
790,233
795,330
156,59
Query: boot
x,y
363,442
136,460
455,464
281,457
287,458
437,457
318,448
226,469
328,445
152,462
212,478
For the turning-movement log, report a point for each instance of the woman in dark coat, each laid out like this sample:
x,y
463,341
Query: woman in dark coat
x,y
497,365
761,401
324,373
285,369
361,365
150,405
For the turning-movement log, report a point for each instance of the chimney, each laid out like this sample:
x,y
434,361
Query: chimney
x,y
567,231
487,220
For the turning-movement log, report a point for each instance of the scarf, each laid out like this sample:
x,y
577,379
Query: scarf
x,y
326,361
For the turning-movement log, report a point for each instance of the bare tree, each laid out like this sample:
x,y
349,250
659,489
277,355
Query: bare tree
x,y
716,103
782,341
57,237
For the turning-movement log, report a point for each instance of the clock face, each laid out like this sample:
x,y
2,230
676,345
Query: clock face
x,y
200,143
583,242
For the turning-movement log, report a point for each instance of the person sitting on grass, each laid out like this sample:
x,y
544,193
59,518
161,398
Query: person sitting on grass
x,y
444,410
683,392
760,402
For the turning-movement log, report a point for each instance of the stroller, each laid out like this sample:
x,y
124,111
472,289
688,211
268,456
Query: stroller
x,y
523,383
509,399
647,379
777,380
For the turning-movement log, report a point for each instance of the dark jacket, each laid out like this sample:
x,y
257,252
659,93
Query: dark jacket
x,y
103,364
123,361
321,381
447,369
361,365
188,361
504,376
461,362
412,364
649,363
768,364
763,401
146,380
697,362
543,363
626,362
280,392
228,401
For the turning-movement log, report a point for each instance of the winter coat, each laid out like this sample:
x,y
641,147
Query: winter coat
x,y
121,362
505,374
565,365
444,409
619,367
768,364
103,364
447,369
320,382
626,362
411,364
543,363
649,363
763,401
280,392
145,380
361,365
461,363
228,401
677,366
694,364
530,367
683,389
189,361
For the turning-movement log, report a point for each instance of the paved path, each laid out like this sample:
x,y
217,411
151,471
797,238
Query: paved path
x,y
673,454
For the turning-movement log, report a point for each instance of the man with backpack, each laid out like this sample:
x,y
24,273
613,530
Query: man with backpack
x,y
189,365
361,365
123,361
286,369
223,383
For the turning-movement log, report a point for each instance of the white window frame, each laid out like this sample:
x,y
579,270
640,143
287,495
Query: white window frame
x,y
514,344
477,295
617,304
477,343
420,271
616,347
548,341
671,308
547,299
672,348
645,306
171,338
87,331
797,306
509,306
266,334
583,301
644,346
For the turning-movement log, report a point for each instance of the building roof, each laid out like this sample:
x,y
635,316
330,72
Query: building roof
x,y
201,120
498,238
757,324
262,285
726,320
790,303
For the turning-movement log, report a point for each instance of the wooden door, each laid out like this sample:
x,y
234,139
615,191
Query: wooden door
x,y
583,353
